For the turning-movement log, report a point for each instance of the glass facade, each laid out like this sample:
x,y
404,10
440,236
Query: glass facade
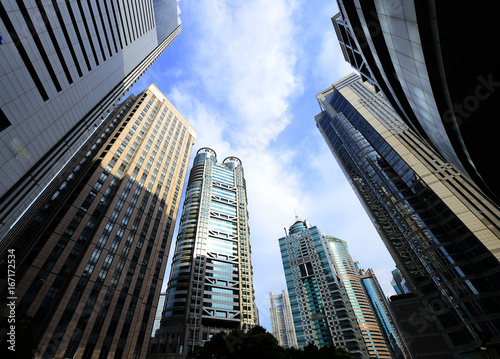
x,y
167,19
321,310
377,343
210,286
440,229
281,320
65,66
93,250
386,319
398,282
408,49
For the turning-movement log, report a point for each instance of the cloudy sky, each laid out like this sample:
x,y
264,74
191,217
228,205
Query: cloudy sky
x,y
245,75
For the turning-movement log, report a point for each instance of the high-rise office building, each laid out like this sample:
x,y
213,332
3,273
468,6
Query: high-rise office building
x,y
384,313
439,76
281,319
376,340
210,287
399,283
321,310
441,230
63,66
91,253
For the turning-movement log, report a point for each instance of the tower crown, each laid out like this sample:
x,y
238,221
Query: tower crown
x,y
298,226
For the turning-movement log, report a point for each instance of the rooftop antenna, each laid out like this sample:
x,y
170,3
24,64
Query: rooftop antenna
x,y
296,217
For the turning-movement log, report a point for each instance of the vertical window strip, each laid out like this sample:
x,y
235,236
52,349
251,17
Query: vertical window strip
x,y
142,14
114,9
4,121
121,5
148,15
68,39
104,30
151,15
53,39
39,44
128,19
22,52
87,29
111,25
133,19
92,16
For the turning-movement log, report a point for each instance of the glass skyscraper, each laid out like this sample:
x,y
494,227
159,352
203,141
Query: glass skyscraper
x,y
91,252
321,310
376,339
415,53
64,66
281,320
210,287
398,282
441,230
384,314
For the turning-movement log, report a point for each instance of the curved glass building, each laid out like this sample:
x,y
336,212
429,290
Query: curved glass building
x,y
210,287
436,69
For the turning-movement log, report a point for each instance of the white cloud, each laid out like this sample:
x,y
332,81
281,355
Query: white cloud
x,y
242,87
245,56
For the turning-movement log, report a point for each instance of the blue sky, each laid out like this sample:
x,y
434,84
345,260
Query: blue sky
x,y
245,75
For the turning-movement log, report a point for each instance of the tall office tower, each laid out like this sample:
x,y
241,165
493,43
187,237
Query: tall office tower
x,y
442,232
321,310
210,287
399,283
376,341
64,66
384,314
414,52
281,320
91,255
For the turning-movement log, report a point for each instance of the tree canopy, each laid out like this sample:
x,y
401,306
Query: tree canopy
x,y
258,343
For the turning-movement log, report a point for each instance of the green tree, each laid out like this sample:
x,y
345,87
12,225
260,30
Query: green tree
x,y
257,343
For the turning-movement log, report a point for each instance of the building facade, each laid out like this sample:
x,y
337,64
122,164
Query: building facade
x,y
64,66
91,253
409,51
441,230
281,319
321,310
376,340
399,283
210,288
386,318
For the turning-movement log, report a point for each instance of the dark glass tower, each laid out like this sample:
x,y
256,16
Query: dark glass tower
x,y
437,72
91,252
64,66
440,229
210,287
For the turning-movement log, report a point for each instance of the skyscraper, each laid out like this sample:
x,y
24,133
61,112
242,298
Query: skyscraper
x,y
384,314
414,52
91,252
281,320
321,310
441,230
398,282
210,287
64,66
376,340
